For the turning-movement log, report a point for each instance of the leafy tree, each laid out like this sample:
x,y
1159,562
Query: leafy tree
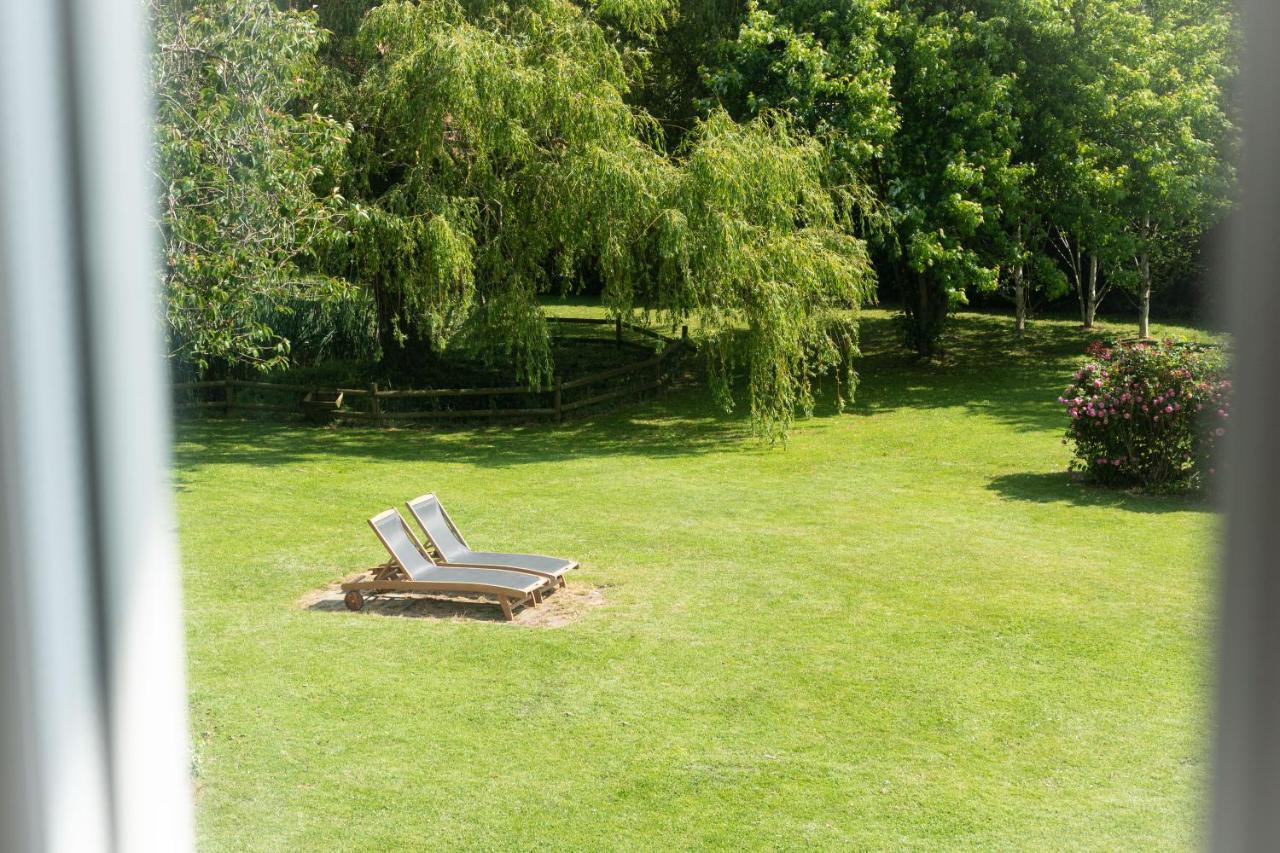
x,y
495,156
247,174
951,171
824,65
1128,102
1052,69
1068,102
912,96
747,236
1019,134
671,60
1172,134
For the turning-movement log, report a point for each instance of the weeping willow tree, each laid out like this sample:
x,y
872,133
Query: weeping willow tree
x,y
494,157
749,241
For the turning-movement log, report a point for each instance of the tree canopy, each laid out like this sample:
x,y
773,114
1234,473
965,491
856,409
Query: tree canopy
x,y
495,158
247,174
1017,136
758,169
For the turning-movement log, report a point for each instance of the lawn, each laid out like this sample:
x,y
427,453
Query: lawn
x,y
909,628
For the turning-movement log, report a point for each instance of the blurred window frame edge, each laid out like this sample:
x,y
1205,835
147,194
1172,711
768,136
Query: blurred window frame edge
x,y
1245,806
94,740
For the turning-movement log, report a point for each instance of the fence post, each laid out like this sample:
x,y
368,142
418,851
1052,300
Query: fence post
x,y
229,392
617,331
684,333
557,401
374,406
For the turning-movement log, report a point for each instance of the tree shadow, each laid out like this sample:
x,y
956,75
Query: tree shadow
x,y
986,370
683,423
1065,487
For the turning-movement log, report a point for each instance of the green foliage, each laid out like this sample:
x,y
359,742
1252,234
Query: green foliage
x,y
450,163
912,96
468,125
496,155
952,169
1012,131
1148,414
1171,135
748,237
670,63
836,82
249,199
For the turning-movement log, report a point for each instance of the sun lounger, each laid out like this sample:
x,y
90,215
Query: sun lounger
x,y
453,549
410,570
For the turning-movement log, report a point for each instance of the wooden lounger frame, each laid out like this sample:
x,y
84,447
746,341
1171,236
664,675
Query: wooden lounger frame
x,y
393,577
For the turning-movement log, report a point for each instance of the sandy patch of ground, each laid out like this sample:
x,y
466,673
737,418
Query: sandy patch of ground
x,y
558,608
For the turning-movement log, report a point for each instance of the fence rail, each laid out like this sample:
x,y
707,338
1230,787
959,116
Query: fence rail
x,y
368,404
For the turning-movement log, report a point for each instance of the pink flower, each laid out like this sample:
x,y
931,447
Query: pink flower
x,y
1219,432
1168,410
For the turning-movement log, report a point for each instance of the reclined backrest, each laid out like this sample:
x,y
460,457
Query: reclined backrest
x,y
399,542
430,515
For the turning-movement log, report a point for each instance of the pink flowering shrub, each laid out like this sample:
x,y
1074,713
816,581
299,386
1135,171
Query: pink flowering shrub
x,y
1148,414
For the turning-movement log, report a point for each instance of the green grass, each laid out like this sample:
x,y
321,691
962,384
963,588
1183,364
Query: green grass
x,y
907,629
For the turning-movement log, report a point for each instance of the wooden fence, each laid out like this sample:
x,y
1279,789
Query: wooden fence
x,y
378,405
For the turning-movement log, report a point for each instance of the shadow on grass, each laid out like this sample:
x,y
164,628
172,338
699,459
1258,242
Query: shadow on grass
x,y
558,608
417,607
683,423
1065,487
986,370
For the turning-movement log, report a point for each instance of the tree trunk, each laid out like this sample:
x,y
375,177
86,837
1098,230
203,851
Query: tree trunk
x,y
1091,306
1019,293
924,344
924,310
1078,278
1019,303
1144,297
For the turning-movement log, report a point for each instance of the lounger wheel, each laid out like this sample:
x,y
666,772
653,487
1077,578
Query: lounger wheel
x,y
354,600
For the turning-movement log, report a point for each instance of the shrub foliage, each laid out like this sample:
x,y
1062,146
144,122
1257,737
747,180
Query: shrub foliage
x,y
1148,414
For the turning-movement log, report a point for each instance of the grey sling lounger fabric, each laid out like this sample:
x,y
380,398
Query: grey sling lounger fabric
x,y
455,552
411,571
